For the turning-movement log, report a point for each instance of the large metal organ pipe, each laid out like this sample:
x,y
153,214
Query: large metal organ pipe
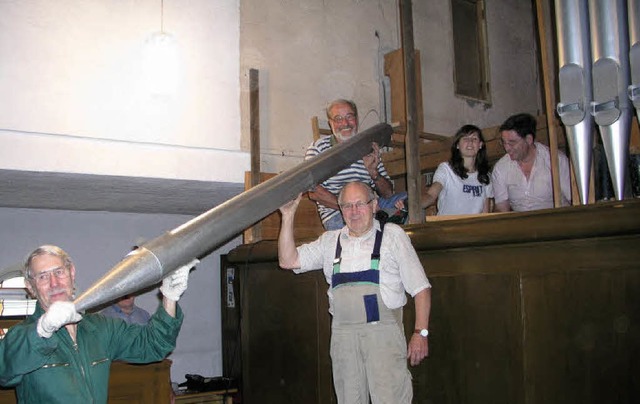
x,y
634,53
155,259
611,107
574,79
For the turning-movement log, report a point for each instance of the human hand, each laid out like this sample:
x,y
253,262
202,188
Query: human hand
x,y
290,207
372,159
399,204
174,285
58,314
418,349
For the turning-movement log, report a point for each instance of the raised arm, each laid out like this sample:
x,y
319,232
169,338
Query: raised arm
x,y
324,197
384,188
287,252
174,285
430,196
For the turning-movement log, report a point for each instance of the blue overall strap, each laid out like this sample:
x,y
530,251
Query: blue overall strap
x,y
338,258
369,276
375,255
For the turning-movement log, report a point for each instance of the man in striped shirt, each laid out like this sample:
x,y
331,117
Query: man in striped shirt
x,y
343,120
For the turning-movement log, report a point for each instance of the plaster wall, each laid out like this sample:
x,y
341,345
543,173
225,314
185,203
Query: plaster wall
x,y
83,94
97,241
309,52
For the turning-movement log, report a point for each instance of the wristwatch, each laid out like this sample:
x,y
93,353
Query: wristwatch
x,y
423,332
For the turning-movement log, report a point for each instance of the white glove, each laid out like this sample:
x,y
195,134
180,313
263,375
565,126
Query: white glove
x,y
174,285
59,314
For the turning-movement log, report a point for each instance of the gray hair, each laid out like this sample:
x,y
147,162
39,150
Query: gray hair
x,y
370,193
46,250
341,101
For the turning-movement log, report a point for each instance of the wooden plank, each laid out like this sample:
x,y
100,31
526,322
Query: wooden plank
x,y
400,130
394,69
317,130
254,124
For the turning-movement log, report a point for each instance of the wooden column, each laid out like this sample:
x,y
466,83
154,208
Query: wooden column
x,y
549,103
412,136
254,124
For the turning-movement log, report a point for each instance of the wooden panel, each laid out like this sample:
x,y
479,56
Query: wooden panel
x,y
527,308
549,309
586,324
394,69
285,324
141,384
473,340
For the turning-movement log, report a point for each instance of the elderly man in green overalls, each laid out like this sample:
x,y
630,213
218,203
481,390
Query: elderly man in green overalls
x,y
58,355
368,266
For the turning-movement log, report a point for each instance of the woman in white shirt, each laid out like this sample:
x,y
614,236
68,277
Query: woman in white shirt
x,y
462,185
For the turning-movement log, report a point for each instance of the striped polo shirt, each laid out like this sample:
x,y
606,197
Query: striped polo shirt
x,y
355,172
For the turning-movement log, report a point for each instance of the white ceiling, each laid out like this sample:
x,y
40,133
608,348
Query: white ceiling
x,y
45,190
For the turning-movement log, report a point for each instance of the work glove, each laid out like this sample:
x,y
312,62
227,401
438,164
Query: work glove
x,y
174,285
59,314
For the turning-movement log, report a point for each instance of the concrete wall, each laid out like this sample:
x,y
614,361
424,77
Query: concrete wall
x,y
309,52
97,241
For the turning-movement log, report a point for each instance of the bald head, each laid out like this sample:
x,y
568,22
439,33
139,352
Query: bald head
x,y
358,205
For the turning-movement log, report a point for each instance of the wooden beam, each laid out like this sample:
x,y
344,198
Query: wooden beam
x,y
394,70
317,130
399,129
549,98
414,183
254,124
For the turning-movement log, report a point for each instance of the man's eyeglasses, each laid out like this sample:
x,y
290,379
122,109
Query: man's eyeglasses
x,y
357,205
339,118
45,276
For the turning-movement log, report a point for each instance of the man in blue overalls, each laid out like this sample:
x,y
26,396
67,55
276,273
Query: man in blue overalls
x,y
368,267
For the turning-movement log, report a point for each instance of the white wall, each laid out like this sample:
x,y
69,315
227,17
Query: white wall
x,y
97,241
308,53
77,97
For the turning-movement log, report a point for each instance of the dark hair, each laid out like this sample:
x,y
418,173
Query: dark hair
x,y
523,124
481,163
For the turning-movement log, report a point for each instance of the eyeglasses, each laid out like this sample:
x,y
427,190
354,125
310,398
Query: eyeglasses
x,y
45,276
339,118
357,205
